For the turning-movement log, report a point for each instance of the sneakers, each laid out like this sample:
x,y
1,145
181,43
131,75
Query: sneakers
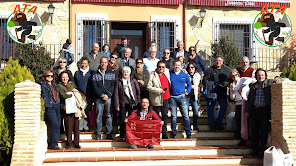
x,y
109,136
68,147
242,143
133,146
149,146
98,137
165,136
220,127
188,137
196,128
174,136
57,148
77,146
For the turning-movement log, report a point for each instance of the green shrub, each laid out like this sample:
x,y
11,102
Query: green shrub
x,y
12,74
226,49
35,58
290,73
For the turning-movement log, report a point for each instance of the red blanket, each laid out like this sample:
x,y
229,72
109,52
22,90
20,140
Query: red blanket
x,y
143,132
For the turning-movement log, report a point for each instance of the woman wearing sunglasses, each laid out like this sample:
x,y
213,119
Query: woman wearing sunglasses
x,y
52,114
239,90
112,65
193,95
142,76
62,67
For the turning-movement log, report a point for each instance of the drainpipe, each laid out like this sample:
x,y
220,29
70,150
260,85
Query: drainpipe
x,y
70,11
184,23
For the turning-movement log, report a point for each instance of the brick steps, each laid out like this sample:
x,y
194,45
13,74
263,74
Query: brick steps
x,y
180,134
207,141
155,160
142,151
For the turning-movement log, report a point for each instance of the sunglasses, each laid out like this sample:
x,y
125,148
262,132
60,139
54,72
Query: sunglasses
x,y
113,57
50,76
191,50
192,67
234,75
161,67
63,62
139,62
166,53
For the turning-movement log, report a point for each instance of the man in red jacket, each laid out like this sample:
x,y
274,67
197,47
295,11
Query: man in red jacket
x,y
145,113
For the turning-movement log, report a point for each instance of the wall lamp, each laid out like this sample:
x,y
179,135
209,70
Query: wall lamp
x,y
202,15
50,11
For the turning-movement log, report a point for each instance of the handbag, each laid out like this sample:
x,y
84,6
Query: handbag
x,y
71,106
92,116
273,157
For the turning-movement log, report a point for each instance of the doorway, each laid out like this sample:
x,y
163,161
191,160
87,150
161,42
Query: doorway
x,y
135,32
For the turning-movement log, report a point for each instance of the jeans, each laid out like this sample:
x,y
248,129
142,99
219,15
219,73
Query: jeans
x,y
52,118
194,105
67,58
100,105
223,107
180,102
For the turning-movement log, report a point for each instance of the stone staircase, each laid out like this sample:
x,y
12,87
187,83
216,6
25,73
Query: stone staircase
x,y
206,147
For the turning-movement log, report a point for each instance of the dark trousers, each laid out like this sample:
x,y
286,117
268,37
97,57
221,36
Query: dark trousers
x,y
164,114
52,118
122,113
72,123
211,105
238,113
260,128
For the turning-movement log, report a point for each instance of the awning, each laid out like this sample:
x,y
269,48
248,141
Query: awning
x,y
238,3
148,2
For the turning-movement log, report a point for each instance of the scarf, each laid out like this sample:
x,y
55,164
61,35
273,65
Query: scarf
x,y
53,91
68,87
84,71
128,88
140,71
112,67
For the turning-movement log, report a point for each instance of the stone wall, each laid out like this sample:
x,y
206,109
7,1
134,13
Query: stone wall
x,y
55,33
30,134
283,111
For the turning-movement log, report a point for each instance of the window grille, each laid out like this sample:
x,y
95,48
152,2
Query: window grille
x,y
6,42
164,33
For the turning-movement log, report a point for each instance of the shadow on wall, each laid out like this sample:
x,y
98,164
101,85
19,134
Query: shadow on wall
x,y
45,18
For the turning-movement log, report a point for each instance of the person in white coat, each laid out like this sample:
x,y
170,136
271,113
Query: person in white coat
x,y
239,90
159,93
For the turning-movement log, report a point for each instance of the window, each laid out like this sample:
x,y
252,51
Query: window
x,y
165,31
6,41
92,33
239,34
239,31
88,31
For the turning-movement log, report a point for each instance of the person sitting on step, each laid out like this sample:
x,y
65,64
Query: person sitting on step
x,y
145,113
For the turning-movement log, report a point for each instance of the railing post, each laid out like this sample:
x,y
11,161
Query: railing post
x,y
283,120
30,133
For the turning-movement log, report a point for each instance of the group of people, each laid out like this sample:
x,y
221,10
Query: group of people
x,y
115,82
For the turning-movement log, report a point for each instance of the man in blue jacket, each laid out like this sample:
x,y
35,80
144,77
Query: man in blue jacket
x,y
178,97
103,82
